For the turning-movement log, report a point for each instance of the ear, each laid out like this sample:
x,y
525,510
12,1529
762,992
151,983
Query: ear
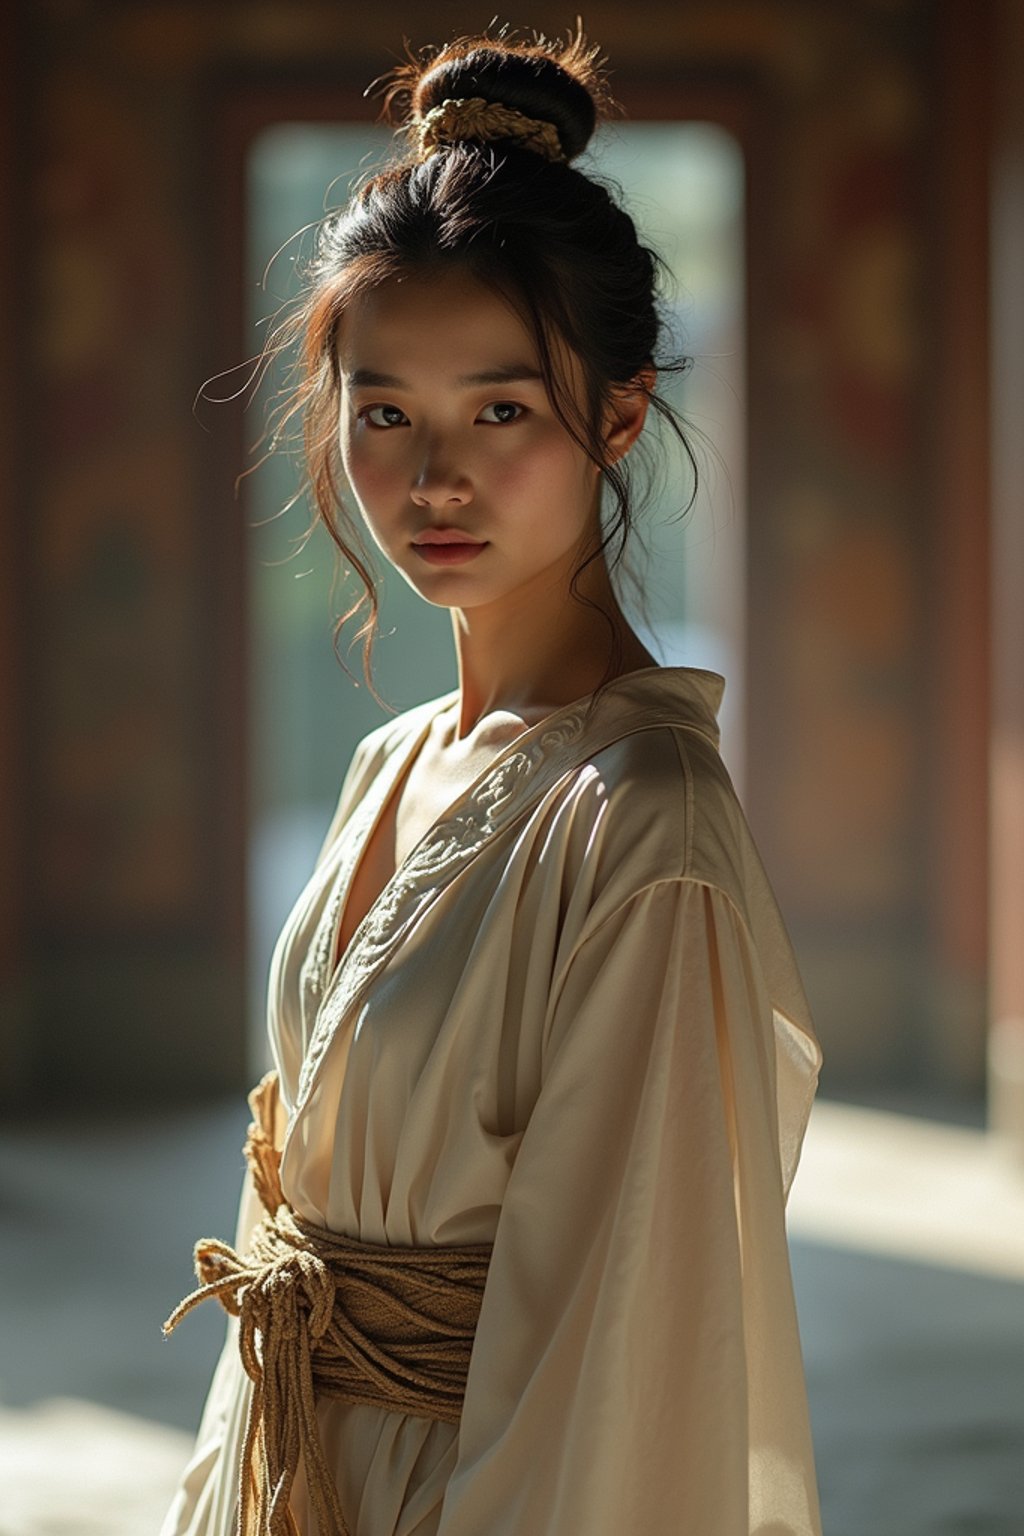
x,y
626,412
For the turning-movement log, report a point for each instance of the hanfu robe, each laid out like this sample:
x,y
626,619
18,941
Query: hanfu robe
x,y
572,1026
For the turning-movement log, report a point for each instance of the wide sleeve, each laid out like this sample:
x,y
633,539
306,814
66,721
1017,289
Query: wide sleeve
x,y
637,1365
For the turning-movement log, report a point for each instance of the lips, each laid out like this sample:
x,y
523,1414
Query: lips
x,y
445,536
450,551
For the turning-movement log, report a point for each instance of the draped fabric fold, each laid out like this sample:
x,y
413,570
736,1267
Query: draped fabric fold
x,y
324,1314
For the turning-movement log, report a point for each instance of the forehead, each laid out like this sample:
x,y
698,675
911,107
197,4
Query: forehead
x,y
447,316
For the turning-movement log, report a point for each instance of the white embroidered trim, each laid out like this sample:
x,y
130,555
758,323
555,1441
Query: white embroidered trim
x,y
435,860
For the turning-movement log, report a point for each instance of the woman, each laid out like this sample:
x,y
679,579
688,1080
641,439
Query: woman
x,y
541,1044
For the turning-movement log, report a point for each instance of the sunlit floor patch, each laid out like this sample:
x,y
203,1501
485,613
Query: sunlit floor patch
x,y
69,1468
909,1188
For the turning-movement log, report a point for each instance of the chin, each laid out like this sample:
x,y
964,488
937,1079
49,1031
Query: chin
x,y
441,588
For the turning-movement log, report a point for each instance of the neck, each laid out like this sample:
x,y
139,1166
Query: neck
x,y
538,648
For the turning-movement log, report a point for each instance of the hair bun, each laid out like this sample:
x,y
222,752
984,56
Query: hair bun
x,y
547,82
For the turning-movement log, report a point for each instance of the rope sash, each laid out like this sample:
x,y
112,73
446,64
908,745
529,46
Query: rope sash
x,y
323,1314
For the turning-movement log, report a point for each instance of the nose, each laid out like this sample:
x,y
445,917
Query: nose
x,y
438,481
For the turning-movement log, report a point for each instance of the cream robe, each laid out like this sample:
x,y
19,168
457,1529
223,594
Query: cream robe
x,y
573,1026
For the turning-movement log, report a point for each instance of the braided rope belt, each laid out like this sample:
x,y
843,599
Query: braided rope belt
x,y
325,1315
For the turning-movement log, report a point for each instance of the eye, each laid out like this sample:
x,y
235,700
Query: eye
x,y
367,415
505,405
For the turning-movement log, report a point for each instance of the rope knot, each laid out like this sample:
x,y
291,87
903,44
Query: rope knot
x,y
321,1312
296,1286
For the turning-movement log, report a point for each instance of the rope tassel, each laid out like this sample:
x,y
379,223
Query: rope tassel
x,y
323,1314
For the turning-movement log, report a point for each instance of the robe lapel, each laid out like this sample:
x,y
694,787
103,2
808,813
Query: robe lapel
x,y
521,774
317,973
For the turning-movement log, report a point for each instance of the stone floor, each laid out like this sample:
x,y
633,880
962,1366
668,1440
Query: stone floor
x,y
907,1240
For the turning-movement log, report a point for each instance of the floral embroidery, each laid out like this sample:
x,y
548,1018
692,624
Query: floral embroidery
x,y
502,782
434,861
559,735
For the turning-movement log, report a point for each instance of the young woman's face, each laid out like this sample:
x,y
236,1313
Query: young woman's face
x,y
446,429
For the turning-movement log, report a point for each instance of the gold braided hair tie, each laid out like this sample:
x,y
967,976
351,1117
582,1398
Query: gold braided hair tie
x,y
472,117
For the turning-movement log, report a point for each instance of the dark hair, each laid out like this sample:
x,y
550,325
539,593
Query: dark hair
x,y
552,241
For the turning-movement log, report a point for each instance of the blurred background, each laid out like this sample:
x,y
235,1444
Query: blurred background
x,y
838,189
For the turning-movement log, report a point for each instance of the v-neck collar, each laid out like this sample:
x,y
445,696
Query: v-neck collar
x,y
377,804
362,835
521,771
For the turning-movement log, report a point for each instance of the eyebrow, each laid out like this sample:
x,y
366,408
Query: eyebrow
x,y
505,373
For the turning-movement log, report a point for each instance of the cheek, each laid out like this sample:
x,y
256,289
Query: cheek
x,y
559,480
369,474
548,465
